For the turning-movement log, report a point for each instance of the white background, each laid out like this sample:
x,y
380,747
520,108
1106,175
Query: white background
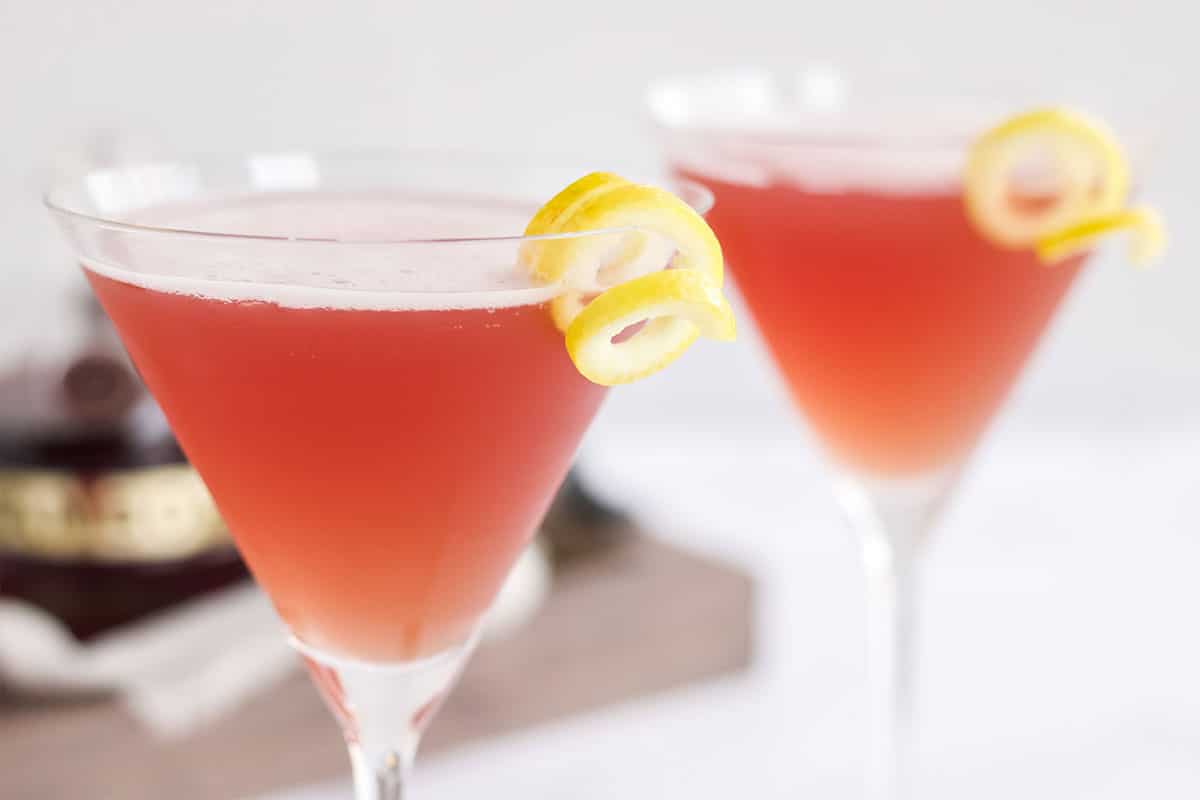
x,y
567,78
1060,635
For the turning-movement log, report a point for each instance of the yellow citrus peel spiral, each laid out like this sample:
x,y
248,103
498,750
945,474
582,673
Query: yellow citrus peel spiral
x,y
627,254
1086,196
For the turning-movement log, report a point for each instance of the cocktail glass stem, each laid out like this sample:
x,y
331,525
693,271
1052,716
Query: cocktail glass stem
x,y
383,779
383,709
891,519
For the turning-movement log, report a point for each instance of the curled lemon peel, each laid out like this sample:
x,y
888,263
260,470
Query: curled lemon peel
x,y
641,257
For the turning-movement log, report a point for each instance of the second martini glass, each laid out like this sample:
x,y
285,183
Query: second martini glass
x,y
898,327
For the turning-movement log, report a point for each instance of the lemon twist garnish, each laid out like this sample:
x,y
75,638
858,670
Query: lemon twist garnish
x,y
1148,235
1088,197
678,305
643,210
615,274
566,201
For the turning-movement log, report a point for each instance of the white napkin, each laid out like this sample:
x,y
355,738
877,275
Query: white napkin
x,y
183,668
174,672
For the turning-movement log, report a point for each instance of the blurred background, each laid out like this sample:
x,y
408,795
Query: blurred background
x,y
1058,646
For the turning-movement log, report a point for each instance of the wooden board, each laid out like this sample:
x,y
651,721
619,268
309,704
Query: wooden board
x,y
642,617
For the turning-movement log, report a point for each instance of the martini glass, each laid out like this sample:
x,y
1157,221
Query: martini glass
x,y
897,327
369,384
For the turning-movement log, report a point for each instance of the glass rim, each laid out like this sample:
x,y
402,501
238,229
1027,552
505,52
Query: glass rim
x,y
754,103
700,197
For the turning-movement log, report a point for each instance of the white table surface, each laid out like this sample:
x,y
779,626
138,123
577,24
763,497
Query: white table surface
x,y
1059,649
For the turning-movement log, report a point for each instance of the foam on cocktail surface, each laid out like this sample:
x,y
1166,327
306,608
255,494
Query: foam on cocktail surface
x,y
369,251
775,155
819,128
